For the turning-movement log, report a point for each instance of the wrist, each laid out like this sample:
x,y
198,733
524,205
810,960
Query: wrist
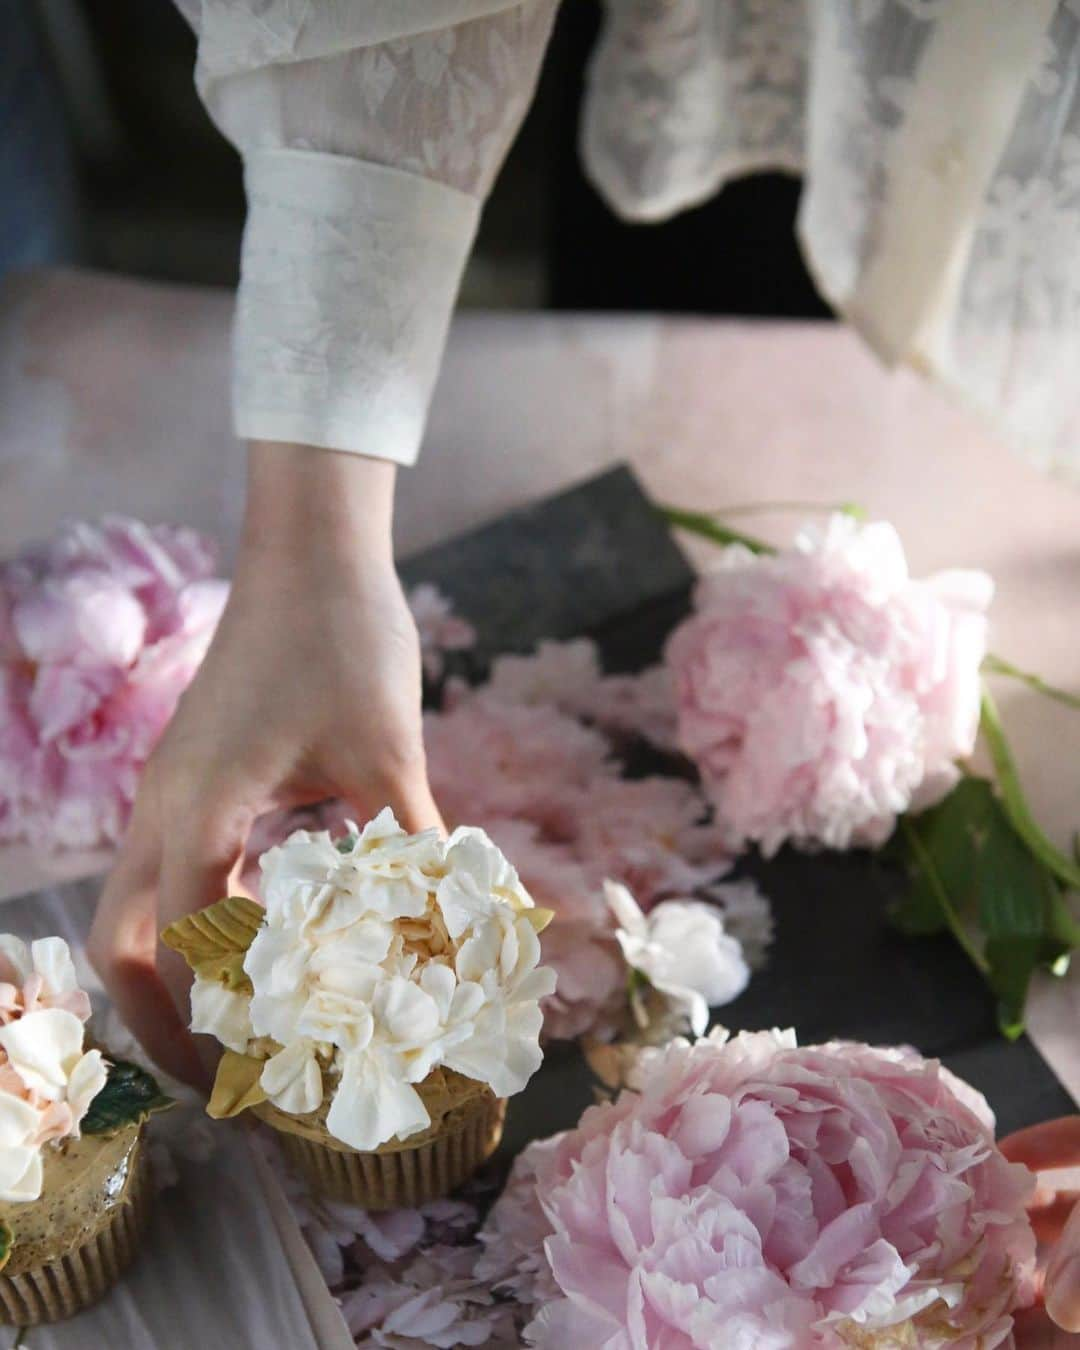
x,y
304,502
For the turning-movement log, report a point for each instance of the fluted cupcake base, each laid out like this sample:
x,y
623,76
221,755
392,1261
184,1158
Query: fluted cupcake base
x,y
73,1281
404,1176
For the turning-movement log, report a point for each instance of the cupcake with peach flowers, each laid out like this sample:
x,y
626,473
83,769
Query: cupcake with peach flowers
x,y
74,1181
380,1010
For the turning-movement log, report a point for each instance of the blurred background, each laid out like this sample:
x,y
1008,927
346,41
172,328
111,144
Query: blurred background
x,y
124,172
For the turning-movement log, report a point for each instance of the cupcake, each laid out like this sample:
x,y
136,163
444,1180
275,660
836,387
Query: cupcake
x,y
74,1183
381,1009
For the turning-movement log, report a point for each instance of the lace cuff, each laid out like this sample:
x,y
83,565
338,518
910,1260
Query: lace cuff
x,y
349,274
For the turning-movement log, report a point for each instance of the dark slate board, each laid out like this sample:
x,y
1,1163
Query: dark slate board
x,y
594,560
599,560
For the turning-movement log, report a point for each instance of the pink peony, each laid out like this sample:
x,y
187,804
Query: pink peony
x,y
822,691
567,676
759,1196
488,759
440,630
650,834
101,630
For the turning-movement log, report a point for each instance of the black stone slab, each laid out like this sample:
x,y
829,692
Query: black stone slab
x,y
599,560
594,560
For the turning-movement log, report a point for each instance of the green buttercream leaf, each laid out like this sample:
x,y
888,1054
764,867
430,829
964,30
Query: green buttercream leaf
x,y
129,1097
214,941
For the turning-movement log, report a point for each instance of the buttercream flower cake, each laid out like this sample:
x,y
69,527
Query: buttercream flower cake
x,y
380,1010
74,1184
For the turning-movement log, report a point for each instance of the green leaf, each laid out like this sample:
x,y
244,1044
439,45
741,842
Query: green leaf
x,y
347,843
1012,794
129,1097
7,1241
972,872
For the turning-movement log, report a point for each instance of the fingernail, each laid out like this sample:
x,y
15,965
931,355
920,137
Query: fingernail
x,y
1063,1294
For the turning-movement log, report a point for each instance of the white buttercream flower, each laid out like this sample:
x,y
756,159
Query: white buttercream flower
x,y
681,948
43,1048
20,1156
372,1103
221,1012
47,1079
38,975
382,958
292,1078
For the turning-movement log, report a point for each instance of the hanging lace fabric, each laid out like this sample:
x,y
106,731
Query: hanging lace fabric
x,y
939,142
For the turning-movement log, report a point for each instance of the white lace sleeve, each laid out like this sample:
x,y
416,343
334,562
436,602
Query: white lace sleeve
x,y
371,133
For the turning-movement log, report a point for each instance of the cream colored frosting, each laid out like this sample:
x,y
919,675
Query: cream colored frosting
x,y
381,959
47,1078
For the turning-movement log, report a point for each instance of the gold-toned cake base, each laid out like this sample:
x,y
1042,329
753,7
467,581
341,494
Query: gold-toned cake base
x,y
403,1177
73,1281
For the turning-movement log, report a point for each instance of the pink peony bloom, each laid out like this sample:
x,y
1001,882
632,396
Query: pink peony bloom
x,y
823,691
567,676
650,834
638,705
759,1196
101,630
562,675
489,759
439,628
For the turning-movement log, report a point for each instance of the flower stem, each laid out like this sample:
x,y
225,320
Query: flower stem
x,y
996,665
697,522
852,509
926,864
1016,807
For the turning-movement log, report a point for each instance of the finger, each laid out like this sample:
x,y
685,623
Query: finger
x,y
198,858
1062,1292
416,808
1034,1331
1049,1217
1055,1143
403,786
121,947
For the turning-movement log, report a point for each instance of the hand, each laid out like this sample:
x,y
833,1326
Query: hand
x,y
311,689
1055,1217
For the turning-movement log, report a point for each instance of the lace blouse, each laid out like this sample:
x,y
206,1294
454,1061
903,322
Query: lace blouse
x,y
939,142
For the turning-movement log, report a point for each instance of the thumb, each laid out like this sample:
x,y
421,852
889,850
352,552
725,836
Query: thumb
x,y
1062,1291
